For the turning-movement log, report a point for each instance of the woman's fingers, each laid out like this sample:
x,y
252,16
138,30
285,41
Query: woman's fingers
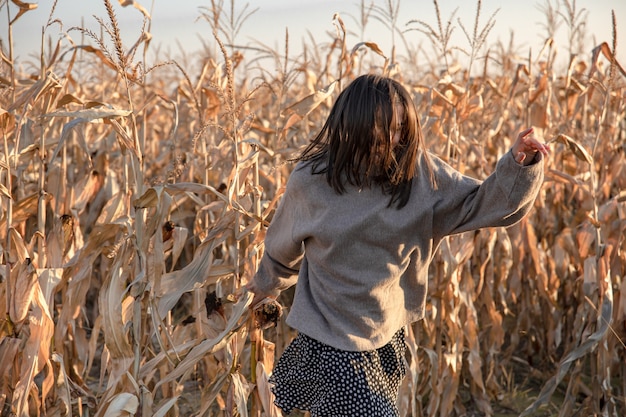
x,y
526,146
527,142
525,133
537,146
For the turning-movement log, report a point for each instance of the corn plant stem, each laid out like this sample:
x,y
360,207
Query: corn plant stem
x,y
197,308
257,198
68,190
41,209
439,305
137,334
9,220
12,66
530,78
599,369
207,172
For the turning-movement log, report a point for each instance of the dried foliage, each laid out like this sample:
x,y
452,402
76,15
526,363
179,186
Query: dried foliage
x,y
134,200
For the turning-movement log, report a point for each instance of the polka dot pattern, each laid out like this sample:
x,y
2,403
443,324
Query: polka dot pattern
x,y
330,382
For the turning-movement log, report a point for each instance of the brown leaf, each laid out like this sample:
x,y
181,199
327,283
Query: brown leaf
x,y
7,122
112,299
123,404
201,269
136,5
124,138
23,280
67,99
580,152
371,45
239,311
42,85
264,391
91,113
603,49
86,189
310,102
24,7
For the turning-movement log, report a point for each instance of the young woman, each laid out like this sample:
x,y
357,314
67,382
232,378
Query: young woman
x,y
363,212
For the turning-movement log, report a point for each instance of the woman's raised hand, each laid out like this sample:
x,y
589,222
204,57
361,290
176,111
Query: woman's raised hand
x,y
526,147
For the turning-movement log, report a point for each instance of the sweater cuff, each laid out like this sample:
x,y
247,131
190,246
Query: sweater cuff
x,y
519,181
536,159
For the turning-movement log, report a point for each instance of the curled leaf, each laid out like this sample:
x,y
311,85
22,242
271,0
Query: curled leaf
x,y
24,7
371,45
310,102
580,152
136,5
23,280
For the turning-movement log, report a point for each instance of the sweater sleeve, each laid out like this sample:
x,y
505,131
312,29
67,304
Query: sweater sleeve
x,y
280,264
503,199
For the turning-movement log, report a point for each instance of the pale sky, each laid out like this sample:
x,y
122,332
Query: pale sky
x,y
178,20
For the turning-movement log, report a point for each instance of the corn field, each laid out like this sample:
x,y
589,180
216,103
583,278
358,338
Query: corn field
x,y
135,197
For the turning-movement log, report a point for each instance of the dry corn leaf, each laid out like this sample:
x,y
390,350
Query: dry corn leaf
x,y
604,49
200,271
371,45
539,116
541,87
521,69
7,124
303,107
124,138
150,198
240,393
115,210
10,353
602,327
86,189
578,150
23,280
41,86
165,407
23,8
24,209
104,111
265,393
67,129
212,392
439,99
36,352
49,278
125,3
97,52
179,237
111,299
41,330
562,177
621,313
123,404
67,99
235,321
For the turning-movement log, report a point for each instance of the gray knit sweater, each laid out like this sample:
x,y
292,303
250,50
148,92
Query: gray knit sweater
x,y
361,267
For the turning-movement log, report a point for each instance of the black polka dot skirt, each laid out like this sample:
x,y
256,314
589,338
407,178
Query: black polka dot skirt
x,y
329,382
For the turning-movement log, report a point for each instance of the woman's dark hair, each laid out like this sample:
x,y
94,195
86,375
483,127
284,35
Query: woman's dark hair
x,y
354,146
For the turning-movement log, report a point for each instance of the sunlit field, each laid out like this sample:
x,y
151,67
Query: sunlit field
x,y
135,195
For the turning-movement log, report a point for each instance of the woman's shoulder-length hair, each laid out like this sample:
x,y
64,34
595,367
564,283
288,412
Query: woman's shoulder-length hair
x,y
355,144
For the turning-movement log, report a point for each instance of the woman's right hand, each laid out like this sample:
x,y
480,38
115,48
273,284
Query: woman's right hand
x,y
526,147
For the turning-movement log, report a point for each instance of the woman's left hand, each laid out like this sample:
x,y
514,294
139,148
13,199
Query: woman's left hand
x,y
526,147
